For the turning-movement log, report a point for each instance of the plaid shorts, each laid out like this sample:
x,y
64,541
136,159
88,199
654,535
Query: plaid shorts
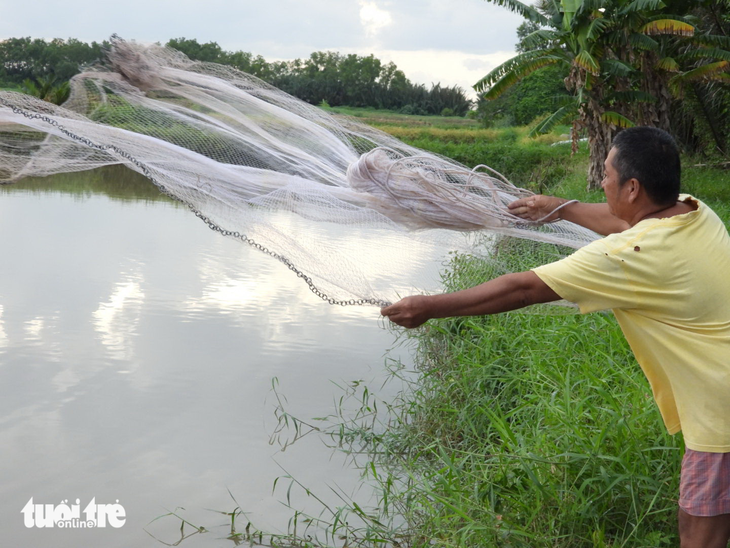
x,y
704,486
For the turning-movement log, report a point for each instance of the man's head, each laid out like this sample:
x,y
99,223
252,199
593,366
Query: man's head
x,y
650,156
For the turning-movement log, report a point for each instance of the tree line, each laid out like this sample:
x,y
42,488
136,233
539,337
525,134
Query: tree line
x,y
337,79
42,67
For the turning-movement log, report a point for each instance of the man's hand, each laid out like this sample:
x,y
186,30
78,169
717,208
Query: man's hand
x,y
507,292
596,217
536,207
409,312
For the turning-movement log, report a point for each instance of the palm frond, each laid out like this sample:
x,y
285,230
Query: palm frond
x,y
616,119
590,6
614,67
514,64
706,53
667,63
615,37
511,78
642,41
586,61
642,5
560,116
29,87
539,38
668,26
526,11
713,40
552,5
710,71
597,27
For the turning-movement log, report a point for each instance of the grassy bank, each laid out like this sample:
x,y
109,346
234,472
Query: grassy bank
x,y
534,163
527,429
534,430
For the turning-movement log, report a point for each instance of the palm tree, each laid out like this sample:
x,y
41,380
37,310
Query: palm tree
x,y
47,88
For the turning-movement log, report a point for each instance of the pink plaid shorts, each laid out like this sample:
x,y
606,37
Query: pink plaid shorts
x,y
704,486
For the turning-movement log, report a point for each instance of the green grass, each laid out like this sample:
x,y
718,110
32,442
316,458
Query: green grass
x,y
383,117
534,163
534,430
527,429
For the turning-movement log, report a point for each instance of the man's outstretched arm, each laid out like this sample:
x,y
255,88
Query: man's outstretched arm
x,y
596,217
507,292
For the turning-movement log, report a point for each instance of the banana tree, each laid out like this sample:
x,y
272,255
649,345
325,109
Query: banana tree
x,y
614,59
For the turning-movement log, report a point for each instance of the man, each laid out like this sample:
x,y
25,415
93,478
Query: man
x,y
664,270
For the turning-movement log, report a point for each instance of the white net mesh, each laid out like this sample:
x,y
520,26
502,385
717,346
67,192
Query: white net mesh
x,y
361,216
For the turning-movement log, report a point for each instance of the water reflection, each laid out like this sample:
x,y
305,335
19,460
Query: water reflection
x,y
3,335
117,319
114,182
137,352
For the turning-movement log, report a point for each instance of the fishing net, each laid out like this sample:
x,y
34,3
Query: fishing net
x,y
362,217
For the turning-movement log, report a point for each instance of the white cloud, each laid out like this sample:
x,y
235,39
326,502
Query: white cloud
x,y
373,18
477,63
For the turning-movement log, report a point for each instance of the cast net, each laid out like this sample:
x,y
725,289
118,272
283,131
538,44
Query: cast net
x,y
362,217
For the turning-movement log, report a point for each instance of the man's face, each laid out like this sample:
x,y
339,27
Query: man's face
x,y
611,187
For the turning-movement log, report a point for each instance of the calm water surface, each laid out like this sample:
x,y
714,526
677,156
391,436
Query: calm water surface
x,y
137,353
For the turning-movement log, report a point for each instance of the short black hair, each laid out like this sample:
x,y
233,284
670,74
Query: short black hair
x,y
649,155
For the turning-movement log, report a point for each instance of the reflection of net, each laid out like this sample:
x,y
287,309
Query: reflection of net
x,y
358,214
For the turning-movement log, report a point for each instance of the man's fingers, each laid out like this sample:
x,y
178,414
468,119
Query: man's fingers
x,y
391,312
522,212
516,204
398,314
525,208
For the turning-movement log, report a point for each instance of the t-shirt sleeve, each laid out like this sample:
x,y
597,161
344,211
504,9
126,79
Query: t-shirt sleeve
x,y
592,277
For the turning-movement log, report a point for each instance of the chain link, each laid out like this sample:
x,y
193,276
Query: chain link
x,y
212,225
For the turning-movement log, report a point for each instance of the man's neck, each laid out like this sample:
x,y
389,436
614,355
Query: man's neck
x,y
653,211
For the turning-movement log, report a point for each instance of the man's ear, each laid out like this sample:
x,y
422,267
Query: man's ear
x,y
634,189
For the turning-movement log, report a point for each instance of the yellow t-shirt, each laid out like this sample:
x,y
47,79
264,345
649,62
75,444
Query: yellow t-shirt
x,y
668,284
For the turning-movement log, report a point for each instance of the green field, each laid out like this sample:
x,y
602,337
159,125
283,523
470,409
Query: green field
x,y
382,117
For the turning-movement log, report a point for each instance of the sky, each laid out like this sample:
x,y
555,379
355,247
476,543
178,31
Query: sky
x,y
452,42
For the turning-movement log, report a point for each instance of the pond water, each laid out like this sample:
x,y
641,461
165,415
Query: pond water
x,y
137,354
